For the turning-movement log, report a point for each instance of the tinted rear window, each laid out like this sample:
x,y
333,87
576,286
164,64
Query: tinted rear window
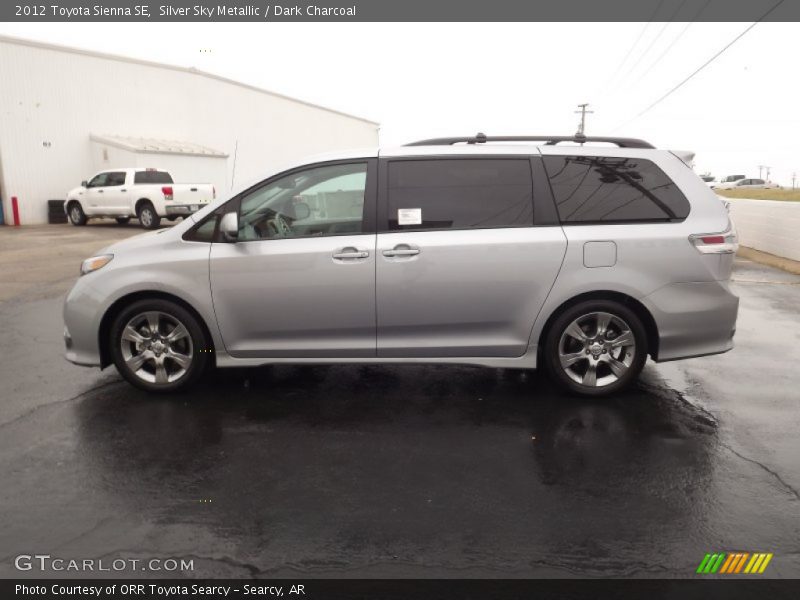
x,y
594,189
460,194
115,178
152,177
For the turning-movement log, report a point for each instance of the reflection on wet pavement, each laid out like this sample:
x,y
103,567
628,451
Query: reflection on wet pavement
x,y
383,470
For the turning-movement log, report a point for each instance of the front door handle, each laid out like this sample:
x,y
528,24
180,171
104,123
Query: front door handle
x,y
350,253
401,250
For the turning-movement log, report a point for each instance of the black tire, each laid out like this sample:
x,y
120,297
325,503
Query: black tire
x,y
122,220
148,216
597,351
196,346
76,215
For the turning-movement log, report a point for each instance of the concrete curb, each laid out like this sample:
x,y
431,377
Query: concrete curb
x,y
765,258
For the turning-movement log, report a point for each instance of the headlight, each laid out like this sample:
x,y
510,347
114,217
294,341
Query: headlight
x,y
95,263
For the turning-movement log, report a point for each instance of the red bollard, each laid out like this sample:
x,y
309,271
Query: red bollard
x,y
15,210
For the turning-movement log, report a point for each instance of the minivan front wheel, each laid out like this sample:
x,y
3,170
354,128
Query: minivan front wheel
x,y
158,346
596,347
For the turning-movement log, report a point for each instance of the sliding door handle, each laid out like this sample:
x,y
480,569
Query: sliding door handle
x,y
401,252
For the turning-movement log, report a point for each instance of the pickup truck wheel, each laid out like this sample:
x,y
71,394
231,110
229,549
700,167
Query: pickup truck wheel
x,y
76,214
158,346
123,220
595,348
148,216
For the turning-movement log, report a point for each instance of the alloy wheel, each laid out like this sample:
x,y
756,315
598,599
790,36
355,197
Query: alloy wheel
x,y
156,347
596,349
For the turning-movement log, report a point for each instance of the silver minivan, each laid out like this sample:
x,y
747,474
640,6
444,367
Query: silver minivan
x,y
505,252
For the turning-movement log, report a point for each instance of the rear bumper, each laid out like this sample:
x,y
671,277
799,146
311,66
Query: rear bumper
x,y
693,319
183,209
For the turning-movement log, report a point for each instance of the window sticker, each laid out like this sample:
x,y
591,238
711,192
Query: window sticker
x,y
409,216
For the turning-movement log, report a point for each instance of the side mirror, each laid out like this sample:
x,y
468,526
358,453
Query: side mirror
x,y
229,226
84,183
301,210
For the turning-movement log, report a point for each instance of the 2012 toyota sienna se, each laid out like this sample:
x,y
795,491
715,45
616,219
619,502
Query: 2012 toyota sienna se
x,y
493,251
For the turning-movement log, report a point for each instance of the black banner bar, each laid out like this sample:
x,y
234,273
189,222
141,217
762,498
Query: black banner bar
x,y
729,588
400,10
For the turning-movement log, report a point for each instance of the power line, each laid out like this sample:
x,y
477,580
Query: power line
x,y
636,41
655,39
674,41
703,66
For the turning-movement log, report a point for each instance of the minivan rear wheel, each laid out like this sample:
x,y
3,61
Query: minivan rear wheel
x,y
596,348
158,345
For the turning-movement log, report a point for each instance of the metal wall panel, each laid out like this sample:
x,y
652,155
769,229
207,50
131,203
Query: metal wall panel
x,y
54,98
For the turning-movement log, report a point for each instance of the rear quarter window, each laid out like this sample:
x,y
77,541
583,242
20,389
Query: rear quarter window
x,y
152,177
601,189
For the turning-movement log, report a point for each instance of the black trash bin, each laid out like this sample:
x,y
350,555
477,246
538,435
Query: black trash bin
x,y
55,211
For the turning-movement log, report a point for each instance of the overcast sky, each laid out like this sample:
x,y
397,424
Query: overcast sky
x,y
422,80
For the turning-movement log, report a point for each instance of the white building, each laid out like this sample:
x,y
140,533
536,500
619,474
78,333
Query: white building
x,y
67,113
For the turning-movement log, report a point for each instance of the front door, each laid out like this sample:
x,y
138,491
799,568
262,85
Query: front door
x,y
461,269
300,279
94,203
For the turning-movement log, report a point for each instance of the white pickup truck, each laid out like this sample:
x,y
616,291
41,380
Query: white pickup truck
x,y
147,194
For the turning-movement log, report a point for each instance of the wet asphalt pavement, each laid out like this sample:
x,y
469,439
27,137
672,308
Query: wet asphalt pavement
x,y
418,471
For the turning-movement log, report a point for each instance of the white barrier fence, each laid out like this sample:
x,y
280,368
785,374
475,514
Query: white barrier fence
x,y
768,225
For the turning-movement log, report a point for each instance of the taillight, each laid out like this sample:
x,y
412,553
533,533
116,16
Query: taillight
x,y
167,191
213,192
726,242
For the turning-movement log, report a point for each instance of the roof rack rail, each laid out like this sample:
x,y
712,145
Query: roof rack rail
x,y
549,140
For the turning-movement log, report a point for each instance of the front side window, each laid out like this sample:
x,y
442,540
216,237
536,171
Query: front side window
x,y
99,180
598,189
459,194
325,200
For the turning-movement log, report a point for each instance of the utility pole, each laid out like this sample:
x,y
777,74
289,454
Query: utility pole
x,y
760,167
583,112
767,168
794,176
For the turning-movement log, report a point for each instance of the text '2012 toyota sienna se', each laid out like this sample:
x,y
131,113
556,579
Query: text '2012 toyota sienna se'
x,y
457,250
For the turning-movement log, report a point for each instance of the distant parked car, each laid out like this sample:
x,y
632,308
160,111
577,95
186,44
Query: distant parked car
x,y
726,182
754,184
147,194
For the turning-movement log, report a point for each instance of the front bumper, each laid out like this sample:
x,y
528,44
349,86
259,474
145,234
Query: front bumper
x,y
81,326
693,319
